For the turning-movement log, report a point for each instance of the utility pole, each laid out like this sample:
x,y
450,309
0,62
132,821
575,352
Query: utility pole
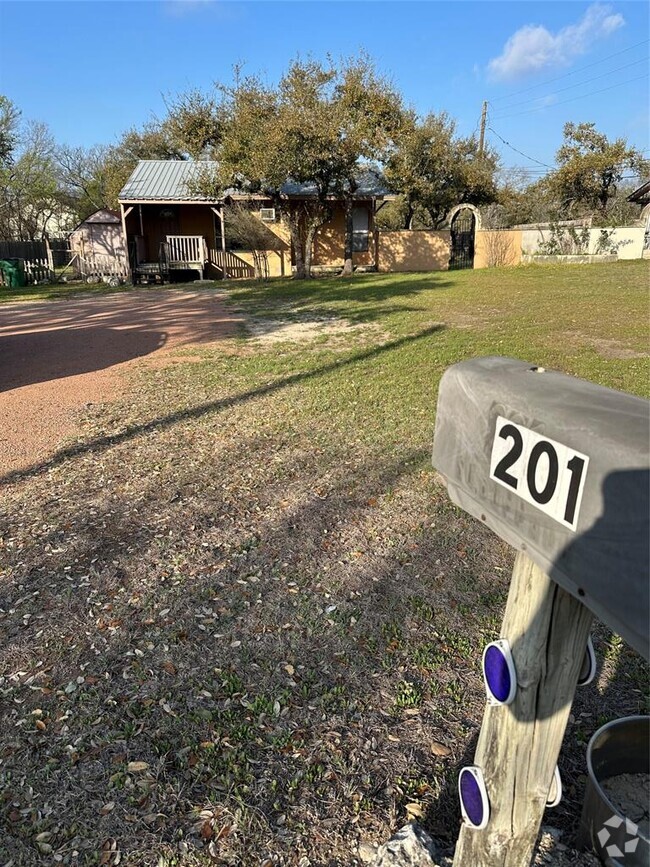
x,y
481,140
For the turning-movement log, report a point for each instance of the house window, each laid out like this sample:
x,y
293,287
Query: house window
x,y
360,221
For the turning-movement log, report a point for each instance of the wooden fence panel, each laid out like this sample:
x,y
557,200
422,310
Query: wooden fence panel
x,y
35,255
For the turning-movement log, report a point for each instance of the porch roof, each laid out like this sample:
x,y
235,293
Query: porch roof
x,y
172,180
164,180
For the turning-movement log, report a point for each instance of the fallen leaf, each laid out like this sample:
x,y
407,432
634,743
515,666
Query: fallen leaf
x,y
206,830
439,749
136,767
169,666
290,670
106,809
40,725
414,810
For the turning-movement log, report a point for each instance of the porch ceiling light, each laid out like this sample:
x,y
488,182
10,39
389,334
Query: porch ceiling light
x,y
499,672
474,802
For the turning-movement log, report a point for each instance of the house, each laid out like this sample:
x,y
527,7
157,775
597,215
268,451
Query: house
x,y
171,229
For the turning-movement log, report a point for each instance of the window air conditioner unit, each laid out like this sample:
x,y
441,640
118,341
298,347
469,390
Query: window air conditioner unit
x,y
267,215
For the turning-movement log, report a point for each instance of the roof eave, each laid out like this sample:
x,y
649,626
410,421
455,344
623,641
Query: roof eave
x,y
170,201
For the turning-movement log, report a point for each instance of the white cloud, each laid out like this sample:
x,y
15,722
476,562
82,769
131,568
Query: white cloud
x,y
533,48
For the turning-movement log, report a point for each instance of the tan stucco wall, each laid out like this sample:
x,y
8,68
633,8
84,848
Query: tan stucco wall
x,y
492,248
329,246
413,250
279,261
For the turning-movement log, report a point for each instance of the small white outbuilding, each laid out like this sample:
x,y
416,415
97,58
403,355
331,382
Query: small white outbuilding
x,y
99,239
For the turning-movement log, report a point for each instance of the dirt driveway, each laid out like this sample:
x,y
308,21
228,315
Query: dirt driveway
x,y
57,356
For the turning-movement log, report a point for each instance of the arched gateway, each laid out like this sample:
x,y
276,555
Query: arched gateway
x,y
464,220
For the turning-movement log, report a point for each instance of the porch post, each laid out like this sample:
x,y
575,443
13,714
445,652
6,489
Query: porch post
x,y
125,214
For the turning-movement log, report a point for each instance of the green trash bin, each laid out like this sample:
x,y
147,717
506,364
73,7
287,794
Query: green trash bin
x,y
13,271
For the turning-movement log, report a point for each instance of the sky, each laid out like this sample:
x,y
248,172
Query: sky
x,y
93,69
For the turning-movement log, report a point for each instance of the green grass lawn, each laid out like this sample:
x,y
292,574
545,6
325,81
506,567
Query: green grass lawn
x,y
240,618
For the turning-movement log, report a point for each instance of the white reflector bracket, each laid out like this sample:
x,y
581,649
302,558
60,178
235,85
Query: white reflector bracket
x,y
588,670
499,672
474,801
555,792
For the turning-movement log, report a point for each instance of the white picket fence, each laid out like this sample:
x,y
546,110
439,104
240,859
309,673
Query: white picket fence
x,y
100,265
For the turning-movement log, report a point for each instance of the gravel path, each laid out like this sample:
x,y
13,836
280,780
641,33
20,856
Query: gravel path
x,y
57,356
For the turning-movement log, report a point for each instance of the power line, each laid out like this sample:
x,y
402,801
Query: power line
x,y
516,150
573,98
573,72
578,84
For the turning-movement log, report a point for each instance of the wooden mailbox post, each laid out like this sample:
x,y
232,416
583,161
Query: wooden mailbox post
x,y
559,468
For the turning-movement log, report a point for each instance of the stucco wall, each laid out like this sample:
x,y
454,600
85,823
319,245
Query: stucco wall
x,y
495,248
329,246
630,236
279,263
413,250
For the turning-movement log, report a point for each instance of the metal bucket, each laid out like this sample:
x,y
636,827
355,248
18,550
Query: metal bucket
x,y
620,747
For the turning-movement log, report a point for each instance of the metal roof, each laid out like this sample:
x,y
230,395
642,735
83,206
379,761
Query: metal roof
x,y
164,180
370,184
170,180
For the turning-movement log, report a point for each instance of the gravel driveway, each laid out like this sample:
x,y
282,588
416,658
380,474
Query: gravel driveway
x,y
57,356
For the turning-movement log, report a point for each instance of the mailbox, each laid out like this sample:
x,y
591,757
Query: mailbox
x,y
557,467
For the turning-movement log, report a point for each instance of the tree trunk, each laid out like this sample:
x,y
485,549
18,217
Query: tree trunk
x,y
348,265
309,246
408,220
296,241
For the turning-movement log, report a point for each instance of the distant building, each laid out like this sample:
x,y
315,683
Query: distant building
x,y
641,196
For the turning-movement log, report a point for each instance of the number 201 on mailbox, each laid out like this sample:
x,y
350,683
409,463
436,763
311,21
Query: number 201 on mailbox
x,y
543,472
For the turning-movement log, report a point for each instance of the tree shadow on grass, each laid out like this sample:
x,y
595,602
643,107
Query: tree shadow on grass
x,y
241,642
100,444
283,296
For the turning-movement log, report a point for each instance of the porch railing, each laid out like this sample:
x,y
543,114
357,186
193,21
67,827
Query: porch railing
x,y
187,250
230,264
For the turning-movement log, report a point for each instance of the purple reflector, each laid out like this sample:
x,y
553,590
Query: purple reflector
x,y
471,797
497,674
